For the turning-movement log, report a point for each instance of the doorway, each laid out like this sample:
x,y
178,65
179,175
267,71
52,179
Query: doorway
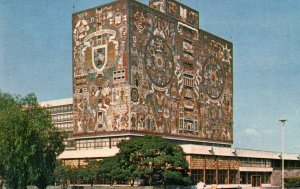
x,y
256,180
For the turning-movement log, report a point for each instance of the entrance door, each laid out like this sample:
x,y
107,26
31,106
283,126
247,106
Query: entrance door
x,y
256,180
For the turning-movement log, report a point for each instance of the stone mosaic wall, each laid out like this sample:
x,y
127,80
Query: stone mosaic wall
x,y
161,74
181,77
216,87
100,63
276,175
211,162
176,9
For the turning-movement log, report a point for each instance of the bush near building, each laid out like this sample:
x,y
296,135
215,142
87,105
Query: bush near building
x,y
292,181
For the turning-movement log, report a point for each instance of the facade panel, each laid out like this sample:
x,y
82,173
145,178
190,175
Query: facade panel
x,y
100,67
216,87
181,77
177,10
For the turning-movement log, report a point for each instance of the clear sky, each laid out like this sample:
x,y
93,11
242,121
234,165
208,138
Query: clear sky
x,y
35,56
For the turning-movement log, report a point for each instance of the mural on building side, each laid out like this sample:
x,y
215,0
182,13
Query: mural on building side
x,y
162,74
100,66
181,77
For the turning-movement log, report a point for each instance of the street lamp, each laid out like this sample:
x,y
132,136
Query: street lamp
x,y
282,124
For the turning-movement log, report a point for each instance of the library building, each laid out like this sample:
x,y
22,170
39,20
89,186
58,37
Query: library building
x,y
151,70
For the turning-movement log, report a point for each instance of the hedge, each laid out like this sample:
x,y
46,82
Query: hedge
x,y
292,181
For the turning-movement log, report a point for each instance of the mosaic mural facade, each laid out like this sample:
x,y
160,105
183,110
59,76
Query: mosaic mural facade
x,y
176,9
100,68
139,68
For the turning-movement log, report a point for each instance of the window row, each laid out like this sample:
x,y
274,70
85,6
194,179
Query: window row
x,y
64,126
255,162
60,109
62,117
214,177
99,143
188,80
119,76
289,164
189,125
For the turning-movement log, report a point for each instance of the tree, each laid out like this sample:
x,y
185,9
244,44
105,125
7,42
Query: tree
x,y
106,171
63,174
1,179
29,143
88,172
151,158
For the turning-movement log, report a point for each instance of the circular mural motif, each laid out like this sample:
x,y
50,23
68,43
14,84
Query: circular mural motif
x,y
213,78
159,61
134,95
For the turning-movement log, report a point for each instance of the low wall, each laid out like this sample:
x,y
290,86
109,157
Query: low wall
x,y
276,175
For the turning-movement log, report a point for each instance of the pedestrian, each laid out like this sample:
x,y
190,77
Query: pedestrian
x,y
201,185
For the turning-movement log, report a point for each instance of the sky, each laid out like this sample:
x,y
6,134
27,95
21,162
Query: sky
x,y
35,56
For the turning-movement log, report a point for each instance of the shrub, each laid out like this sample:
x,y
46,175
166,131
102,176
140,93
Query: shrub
x,y
293,181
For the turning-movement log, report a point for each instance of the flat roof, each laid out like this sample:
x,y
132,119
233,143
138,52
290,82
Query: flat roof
x,y
89,153
60,102
235,152
189,149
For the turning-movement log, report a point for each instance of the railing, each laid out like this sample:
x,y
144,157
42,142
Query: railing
x,y
256,164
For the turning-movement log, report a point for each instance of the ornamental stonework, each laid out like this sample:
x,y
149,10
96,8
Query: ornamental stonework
x,y
151,70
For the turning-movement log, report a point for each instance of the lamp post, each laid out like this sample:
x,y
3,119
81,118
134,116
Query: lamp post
x,y
282,124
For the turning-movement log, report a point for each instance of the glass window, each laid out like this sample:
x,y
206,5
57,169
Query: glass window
x,y
222,177
210,176
197,175
232,177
